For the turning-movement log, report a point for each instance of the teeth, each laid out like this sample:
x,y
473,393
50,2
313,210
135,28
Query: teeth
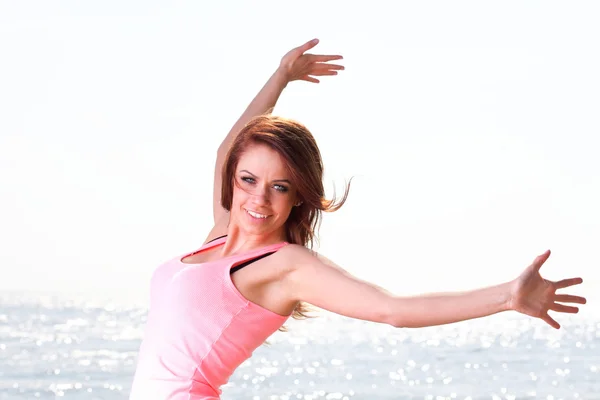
x,y
256,215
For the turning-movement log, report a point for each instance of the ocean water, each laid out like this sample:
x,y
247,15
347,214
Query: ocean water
x,y
77,348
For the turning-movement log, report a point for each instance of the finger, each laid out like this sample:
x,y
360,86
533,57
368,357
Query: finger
x,y
541,259
309,79
307,46
328,66
563,308
567,282
321,73
324,58
550,321
567,298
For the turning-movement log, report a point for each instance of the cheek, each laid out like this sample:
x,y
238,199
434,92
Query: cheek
x,y
285,205
238,197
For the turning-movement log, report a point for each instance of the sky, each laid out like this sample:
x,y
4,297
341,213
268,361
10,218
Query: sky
x,y
470,129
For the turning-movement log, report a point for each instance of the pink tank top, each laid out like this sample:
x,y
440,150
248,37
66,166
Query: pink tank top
x,y
199,329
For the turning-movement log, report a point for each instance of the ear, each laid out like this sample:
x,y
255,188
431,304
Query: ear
x,y
297,200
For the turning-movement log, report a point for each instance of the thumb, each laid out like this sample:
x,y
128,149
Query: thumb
x,y
308,45
541,259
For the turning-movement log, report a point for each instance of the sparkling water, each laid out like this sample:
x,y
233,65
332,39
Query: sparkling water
x,y
76,348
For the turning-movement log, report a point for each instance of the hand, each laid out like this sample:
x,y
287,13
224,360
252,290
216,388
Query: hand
x,y
535,296
296,65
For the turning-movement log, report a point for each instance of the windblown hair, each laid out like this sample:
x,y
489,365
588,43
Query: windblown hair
x,y
299,150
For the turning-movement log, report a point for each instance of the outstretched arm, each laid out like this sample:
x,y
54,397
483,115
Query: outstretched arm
x,y
295,65
318,281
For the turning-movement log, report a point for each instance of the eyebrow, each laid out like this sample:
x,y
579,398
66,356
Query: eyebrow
x,y
275,180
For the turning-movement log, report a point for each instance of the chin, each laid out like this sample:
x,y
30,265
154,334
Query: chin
x,y
260,228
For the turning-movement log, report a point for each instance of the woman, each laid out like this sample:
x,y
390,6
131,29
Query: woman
x,y
208,312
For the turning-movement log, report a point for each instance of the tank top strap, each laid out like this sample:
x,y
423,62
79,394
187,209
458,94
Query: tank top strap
x,y
210,244
250,255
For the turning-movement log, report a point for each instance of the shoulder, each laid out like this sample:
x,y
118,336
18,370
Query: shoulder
x,y
295,255
299,259
289,259
295,249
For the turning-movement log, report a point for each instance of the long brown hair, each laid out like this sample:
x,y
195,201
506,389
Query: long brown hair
x,y
297,146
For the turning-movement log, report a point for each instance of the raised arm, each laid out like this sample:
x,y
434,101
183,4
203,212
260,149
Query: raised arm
x,y
320,282
295,65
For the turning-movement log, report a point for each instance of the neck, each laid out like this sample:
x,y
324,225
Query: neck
x,y
240,241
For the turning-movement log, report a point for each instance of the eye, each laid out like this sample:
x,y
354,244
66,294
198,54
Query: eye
x,y
251,181
281,188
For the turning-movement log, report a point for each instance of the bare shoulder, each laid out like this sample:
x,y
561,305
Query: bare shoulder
x,y
299,258
295,256
295,250
316,280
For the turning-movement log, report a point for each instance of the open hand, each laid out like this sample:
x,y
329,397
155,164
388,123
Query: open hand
x,y
296,65
535,296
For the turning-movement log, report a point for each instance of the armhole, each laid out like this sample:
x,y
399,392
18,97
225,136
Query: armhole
x,y
242,265
217,238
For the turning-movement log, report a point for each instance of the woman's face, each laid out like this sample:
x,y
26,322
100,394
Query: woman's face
x,y
263,194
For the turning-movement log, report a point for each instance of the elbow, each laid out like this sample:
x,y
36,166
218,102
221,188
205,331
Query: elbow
x,y
392,316
401,314
222,150
400,322
396,322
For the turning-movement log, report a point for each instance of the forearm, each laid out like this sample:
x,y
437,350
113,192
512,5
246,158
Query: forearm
x,y
264,101
446,308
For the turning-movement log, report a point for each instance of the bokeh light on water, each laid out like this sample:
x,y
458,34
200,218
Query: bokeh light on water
x,y
80,349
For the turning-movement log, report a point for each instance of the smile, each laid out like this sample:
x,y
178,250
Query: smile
x,y
256,215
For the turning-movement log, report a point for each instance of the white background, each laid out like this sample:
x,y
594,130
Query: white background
x,y
471,130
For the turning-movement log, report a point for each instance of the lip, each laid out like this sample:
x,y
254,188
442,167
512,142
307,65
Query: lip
x,y
248,212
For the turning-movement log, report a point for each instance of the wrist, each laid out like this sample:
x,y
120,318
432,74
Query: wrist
x,y
509,290
281,76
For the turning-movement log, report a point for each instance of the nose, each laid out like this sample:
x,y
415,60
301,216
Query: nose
x,y
261,195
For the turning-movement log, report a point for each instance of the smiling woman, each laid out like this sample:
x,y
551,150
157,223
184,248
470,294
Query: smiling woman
x,y
278,167
210,309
